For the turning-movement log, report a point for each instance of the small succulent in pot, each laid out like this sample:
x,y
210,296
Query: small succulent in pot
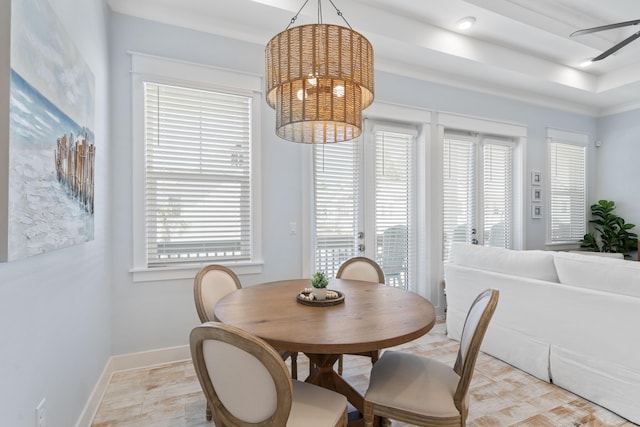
x,y
319,280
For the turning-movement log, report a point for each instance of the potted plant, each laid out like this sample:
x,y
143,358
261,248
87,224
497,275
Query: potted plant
x,y
319,283
613,233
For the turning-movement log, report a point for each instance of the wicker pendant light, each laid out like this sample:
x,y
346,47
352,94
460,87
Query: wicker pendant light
x,y
319,78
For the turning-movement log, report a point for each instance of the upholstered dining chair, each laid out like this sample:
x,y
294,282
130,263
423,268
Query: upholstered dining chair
x,y
212,283
360,268
367,270
423,391
247,383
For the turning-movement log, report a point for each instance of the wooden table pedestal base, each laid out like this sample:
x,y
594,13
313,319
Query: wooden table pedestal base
x,y
323,375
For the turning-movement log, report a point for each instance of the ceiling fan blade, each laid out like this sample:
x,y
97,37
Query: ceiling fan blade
x,y
617,47
604,27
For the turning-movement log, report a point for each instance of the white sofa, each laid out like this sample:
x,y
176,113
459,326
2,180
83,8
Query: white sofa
x,y
566,318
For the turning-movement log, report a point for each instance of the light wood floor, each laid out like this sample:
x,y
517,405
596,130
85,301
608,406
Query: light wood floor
x,y
170,395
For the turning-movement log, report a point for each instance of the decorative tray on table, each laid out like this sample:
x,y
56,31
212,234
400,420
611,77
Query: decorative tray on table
x,y
306,297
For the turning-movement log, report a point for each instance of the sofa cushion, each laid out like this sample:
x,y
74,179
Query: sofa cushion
x,y
534,264
599,273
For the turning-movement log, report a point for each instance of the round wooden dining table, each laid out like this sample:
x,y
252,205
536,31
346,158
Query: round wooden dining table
x,y
372,317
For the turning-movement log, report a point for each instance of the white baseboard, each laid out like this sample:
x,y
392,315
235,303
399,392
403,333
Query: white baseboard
x,y
123,362
91,407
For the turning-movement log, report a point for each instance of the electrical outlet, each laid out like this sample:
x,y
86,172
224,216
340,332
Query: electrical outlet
x,y
293,228
41,415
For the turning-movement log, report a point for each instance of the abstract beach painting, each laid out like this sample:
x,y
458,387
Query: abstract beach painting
x,y
51,139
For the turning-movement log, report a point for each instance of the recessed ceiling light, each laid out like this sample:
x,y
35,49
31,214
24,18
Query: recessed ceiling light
x,y
466,23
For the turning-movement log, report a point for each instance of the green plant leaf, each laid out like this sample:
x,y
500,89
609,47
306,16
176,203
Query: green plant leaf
x,y
319,280
611,231
589,241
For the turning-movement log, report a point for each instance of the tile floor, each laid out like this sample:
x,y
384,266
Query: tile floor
x,y
170,395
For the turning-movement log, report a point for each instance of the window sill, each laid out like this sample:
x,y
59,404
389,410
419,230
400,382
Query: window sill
x,y
562,246
189,271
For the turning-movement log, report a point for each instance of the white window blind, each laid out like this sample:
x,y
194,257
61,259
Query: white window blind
x,y
497,192
477,190
394,195
336,204
568,191
459,195
197,177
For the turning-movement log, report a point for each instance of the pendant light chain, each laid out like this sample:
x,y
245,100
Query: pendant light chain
x,y
338,12
296,15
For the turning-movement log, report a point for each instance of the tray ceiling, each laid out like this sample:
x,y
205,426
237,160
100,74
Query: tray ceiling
x,y
517,48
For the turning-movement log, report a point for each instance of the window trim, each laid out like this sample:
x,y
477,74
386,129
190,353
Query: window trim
x,y
150,68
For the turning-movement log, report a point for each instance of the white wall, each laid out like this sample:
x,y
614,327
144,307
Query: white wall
x,y
617,164
149,315
55,307
5,79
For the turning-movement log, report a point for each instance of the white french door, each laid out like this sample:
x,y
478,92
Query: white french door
x,y
336,203
477,190
364,202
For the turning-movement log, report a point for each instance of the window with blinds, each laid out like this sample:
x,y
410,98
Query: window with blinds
x,y
568,222
197,176
477,190
336,204
394,190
